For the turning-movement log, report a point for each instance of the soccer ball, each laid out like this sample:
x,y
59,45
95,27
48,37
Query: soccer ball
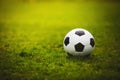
x,y
79,42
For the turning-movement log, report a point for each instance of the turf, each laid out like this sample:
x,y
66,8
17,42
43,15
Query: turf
x,y
31,41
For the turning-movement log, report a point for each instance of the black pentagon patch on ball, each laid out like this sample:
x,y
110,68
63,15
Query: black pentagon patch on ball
x,y
79,47
66,41
79,33
92,42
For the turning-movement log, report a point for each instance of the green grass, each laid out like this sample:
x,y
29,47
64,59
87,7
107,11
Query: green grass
x,y
31,41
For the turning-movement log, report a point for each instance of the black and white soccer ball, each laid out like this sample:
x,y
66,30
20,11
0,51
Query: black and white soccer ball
x,y
79,42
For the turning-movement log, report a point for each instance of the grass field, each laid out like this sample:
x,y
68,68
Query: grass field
x,y
31,41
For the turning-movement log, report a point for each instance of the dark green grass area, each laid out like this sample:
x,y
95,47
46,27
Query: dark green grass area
x,y
31,41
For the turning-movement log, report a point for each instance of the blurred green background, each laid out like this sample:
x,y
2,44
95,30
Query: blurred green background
x,y
32,33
